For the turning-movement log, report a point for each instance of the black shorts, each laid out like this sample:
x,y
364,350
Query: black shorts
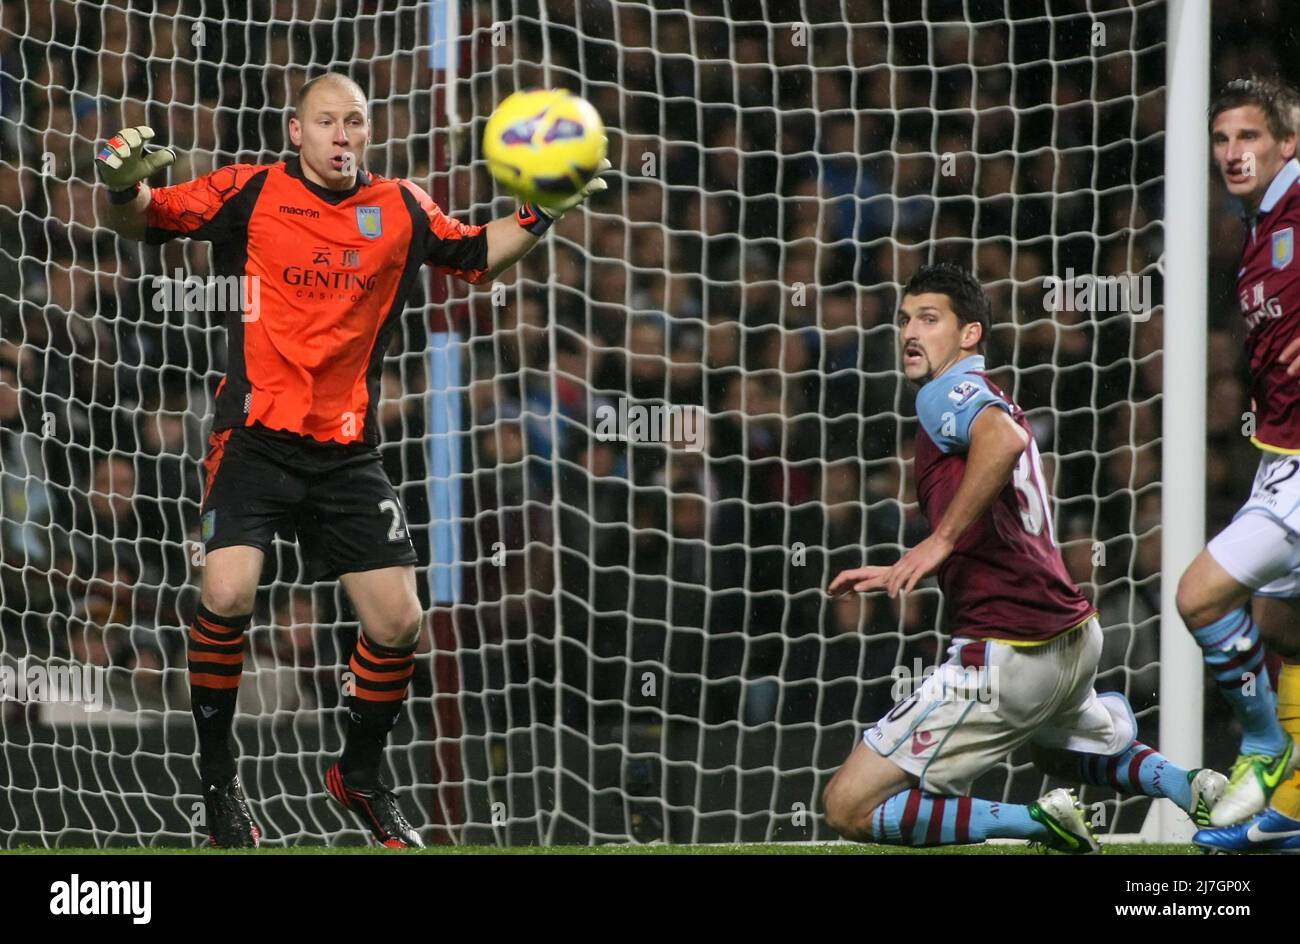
x,y
336,499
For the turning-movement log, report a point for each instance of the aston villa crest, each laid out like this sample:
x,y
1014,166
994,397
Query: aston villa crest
x,y
1283,247
369,222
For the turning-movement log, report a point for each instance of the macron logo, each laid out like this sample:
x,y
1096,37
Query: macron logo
x,y
76,897
300,211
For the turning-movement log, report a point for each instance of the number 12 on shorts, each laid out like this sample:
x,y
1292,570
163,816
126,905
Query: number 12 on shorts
x,y
396,528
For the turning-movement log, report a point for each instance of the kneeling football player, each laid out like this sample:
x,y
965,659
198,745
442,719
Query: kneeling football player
x,y
1025,640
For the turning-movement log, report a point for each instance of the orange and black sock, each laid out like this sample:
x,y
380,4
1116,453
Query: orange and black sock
x,y
381,676
216,662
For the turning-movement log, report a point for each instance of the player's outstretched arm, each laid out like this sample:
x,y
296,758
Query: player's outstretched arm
x,y
124,167
510,237
996,444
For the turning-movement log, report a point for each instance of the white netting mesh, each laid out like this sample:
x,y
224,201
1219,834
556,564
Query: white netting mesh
x,y
642,646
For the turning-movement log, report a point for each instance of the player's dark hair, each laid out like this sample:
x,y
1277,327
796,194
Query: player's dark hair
x,y
300,98
1279,102
968,300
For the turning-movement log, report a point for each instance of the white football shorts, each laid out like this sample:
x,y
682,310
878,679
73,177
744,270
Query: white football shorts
x,y
989,698
1260,549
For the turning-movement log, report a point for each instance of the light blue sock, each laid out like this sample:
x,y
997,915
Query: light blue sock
x,y
913,818
1233,651
1140,770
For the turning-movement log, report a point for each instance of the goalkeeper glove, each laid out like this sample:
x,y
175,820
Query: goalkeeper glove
x,y
123,163
537,219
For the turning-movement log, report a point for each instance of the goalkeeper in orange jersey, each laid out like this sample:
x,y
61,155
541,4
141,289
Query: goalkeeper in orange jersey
x,y
326,255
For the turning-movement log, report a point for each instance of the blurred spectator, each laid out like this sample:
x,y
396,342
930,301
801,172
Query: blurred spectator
x,y
26,504
280,667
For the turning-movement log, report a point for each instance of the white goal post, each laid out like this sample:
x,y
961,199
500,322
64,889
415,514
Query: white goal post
x,y
1183,408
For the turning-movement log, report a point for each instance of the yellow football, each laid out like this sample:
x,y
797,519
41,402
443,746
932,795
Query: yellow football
x,y
544,144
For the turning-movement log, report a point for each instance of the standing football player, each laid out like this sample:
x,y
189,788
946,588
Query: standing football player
x,y
1253,125
1025,640
327,255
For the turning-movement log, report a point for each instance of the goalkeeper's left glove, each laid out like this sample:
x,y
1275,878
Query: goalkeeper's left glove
x,y
123,164
537,219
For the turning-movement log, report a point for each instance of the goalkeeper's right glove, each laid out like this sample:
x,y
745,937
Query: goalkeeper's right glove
x,y
537,219
123,163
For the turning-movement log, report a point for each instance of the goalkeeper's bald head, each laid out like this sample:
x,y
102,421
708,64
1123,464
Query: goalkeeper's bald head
x,y
335,80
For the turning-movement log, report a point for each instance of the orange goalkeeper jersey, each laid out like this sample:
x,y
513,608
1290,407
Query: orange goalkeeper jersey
x,y
323,278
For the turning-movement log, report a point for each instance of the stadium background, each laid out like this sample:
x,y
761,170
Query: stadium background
x,y
676,287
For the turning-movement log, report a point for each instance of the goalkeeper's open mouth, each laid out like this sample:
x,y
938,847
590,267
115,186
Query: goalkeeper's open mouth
x,y
913,356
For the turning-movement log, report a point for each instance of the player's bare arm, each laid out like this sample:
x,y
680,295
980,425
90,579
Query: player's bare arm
x,y
996,445
127,220
508,242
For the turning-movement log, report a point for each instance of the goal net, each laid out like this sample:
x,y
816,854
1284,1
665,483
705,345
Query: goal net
x,y
633,466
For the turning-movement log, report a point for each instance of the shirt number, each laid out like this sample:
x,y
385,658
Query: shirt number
x,y
1028,480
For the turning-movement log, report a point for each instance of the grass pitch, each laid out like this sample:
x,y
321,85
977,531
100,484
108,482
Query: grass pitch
x,y
830,848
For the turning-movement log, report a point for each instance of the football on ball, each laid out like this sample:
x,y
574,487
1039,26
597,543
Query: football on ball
x,y
544,144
